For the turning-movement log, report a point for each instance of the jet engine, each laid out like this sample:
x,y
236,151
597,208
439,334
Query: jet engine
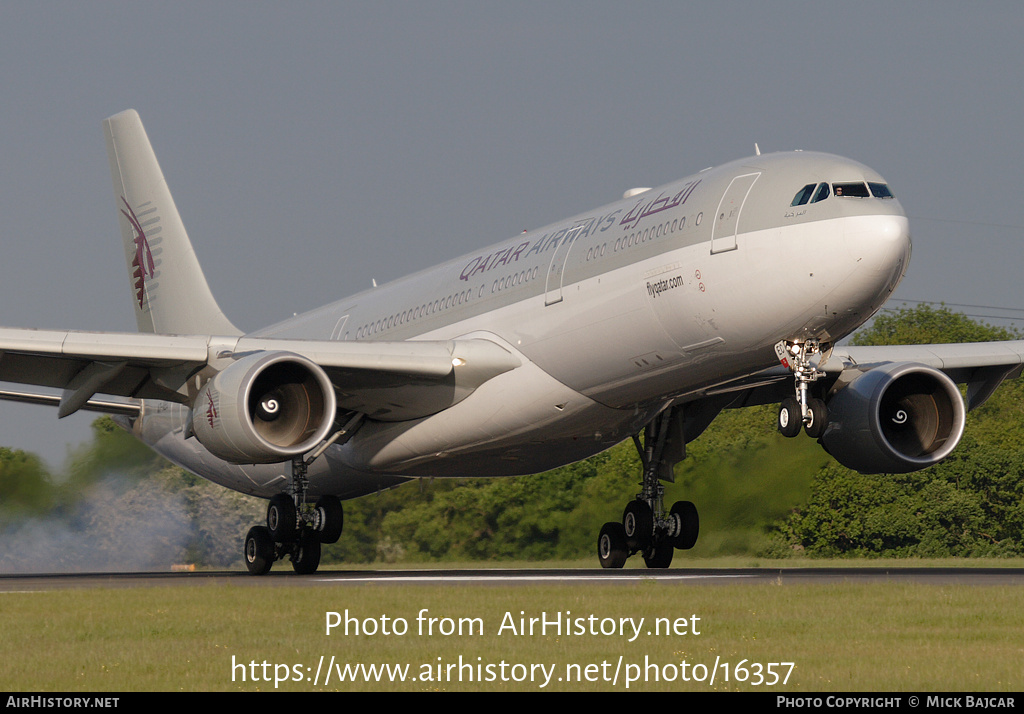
x,y
265,408
895,418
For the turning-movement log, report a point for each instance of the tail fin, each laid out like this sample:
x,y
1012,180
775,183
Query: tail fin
x,y
170,293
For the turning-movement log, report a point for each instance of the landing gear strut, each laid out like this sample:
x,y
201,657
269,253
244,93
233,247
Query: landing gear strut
x,y
802,411
294,527
646,528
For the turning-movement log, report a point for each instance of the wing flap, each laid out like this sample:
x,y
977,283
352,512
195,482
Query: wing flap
x,y
104,406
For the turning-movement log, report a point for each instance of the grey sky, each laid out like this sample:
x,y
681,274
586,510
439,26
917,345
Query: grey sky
x,y
312,147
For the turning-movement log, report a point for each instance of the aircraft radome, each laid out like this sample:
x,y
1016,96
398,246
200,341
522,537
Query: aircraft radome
x,y
641,319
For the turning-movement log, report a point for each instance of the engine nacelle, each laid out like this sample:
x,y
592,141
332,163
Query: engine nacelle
x,y
895,418
265,408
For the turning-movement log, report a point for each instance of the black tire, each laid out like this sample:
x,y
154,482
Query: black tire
x,y
332,518
281,518
611,546
689,524
638,524
659,555
818,413
790,420
259,550
306,556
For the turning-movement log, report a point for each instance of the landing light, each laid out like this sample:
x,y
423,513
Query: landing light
x,y
458,362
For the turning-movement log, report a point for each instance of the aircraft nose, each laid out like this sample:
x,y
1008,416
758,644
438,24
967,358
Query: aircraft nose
x,y
885,238
894,233
881,247
895,230
891,228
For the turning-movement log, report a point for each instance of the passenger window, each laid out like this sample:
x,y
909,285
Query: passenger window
x,y
880,190
852,189
822,193
803,195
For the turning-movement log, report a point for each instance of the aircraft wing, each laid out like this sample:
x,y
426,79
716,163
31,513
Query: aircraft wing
x,y
950,358
392,380
982,366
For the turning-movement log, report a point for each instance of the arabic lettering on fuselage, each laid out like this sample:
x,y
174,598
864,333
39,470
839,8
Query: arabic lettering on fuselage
x,y
549,241
663,202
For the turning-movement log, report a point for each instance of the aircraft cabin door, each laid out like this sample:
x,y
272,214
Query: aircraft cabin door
x,y
727,218
556,269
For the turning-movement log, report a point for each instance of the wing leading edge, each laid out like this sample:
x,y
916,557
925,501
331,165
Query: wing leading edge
x,y
982,366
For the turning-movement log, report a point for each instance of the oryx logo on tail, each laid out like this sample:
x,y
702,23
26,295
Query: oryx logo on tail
x,y
143,263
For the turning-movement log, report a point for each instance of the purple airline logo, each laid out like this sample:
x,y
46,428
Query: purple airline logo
x,y
211,410
143,262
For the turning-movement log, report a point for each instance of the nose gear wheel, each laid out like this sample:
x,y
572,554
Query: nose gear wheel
x,y
802,410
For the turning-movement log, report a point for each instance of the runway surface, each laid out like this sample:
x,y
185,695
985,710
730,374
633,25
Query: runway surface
x,y
681,576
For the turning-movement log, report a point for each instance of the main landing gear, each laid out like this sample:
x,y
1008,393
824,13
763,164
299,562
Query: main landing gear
x,y
645,527
294,528
802,411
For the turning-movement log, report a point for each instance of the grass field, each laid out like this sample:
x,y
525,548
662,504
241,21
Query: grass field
x,y
852,637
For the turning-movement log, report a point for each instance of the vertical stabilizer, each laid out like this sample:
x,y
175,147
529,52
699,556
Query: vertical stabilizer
x,y
169,290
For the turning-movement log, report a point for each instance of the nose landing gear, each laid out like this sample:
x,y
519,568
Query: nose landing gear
x,y
802,411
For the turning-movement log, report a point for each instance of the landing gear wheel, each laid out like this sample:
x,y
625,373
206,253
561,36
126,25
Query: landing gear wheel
x,y
611,546
688,522
259,550
638,524
281,518
306,556
790,419
330,518
817,413
659,555
646,528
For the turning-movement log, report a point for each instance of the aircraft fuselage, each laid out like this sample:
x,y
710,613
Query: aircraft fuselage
x,y
614,313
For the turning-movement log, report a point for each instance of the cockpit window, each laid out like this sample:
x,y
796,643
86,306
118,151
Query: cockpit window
x,y
880,190
855,189
803,195
814,192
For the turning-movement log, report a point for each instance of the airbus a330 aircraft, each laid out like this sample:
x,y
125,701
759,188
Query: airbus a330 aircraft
x,y
644,318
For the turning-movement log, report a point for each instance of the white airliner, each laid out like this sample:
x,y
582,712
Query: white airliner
x,y
643,318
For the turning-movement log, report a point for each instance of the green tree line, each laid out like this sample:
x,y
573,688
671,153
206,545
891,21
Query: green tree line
x,y
115,505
